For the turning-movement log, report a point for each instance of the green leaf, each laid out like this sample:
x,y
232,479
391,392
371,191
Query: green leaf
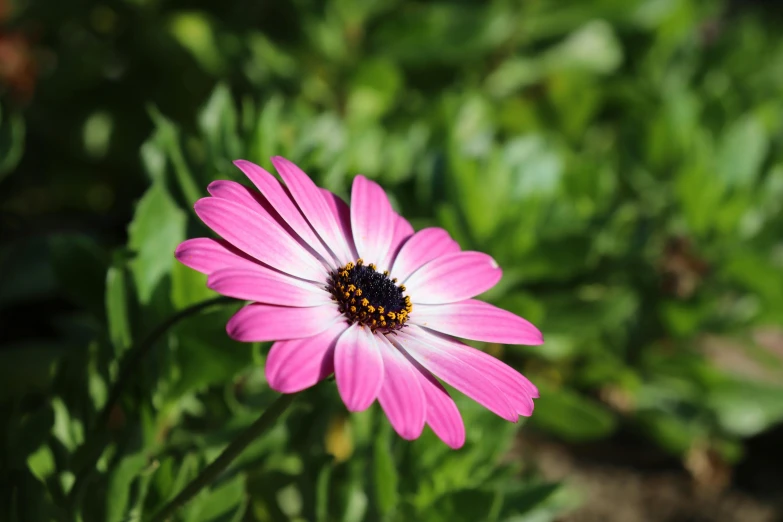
x,y
158,226
536,167
31,499
188,287
227,502
356,505
153,156
175,475
524,498
117,304
218,123
196,32
577,98
592,48
266,134
289,498
68,427
572,416
385,476
468,504
204,354
756,272
322,492
28,433
514,74
97,133
12,138
540,502
673,433
742,151
438,33
747,408
123,475
268,59
41,463
165,145
374,91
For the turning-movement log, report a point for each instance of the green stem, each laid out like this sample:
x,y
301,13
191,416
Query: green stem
x,y
232,451
137,354
134,356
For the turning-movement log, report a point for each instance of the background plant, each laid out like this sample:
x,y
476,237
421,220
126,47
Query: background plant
x,y
620,159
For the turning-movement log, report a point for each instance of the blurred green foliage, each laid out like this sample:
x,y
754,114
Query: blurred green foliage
x,y
620,159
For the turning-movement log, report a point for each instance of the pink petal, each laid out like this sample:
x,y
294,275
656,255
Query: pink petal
x,y
424,246
442,413
236,192
282,204
267,286
477,320
293,366
455,372
401,396
402,231
208,255
372,220
358,368
453,277
255,201
342,215
516,387
261,237
263,322
314,207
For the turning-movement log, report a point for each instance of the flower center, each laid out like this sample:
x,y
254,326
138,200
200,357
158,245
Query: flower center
x,y
369,297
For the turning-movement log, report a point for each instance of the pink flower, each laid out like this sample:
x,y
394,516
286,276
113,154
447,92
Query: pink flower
x,y
355,292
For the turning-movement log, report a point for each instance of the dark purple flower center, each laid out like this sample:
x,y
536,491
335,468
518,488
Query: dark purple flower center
x,y
369,297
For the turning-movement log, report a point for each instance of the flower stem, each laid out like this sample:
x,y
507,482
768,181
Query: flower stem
x,y
232,451
137,353
134,356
